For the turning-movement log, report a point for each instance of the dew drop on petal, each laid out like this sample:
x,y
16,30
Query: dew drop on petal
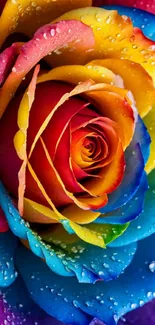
x,y
76,303
133,306
152,266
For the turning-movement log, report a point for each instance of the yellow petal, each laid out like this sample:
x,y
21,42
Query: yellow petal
x,y
135,78
20,138
79,73
115,38
88,235
74,213
26,16
35,212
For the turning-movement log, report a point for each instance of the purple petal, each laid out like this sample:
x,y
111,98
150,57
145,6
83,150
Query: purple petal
x,y
143,316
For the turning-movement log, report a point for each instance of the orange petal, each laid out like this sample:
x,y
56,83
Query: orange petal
x,y
20,138
26,16
116,108
111,175
134,77
74,213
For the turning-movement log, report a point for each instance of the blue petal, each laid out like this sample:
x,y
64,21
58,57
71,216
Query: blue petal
x,y
131,181
144,225
136,155
73,303
140,18
8,246
82,263
22,230
130,210
142,137
17,308
94,263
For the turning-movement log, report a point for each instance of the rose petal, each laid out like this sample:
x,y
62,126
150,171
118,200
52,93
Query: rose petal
x,y
107,102
79,73
20,138
115,37
134,76
7,58
33,51
27,16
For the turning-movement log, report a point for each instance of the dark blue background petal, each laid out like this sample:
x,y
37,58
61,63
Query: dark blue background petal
x,y
140,18
8,246
144,225
72,302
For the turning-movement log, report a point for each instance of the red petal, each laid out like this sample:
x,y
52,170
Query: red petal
x,y
2,4
3,223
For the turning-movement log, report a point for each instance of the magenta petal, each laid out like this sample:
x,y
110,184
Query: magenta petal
x,y
3,223
7,58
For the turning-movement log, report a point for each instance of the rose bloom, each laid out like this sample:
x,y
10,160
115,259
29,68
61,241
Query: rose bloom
x,y
77,157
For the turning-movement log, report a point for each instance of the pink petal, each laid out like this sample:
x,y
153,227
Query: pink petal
x,y
48,38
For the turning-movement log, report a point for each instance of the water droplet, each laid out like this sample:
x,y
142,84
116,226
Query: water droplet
x,y
14,69
141,303
65,299
76,303
149,294
106,266
89,303
133,306
102,302
52,32
152,266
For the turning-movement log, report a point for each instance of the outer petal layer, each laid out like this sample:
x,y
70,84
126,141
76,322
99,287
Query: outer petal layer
x,y
105,301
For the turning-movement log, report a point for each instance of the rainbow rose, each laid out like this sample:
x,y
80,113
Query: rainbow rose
x,y
77,158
